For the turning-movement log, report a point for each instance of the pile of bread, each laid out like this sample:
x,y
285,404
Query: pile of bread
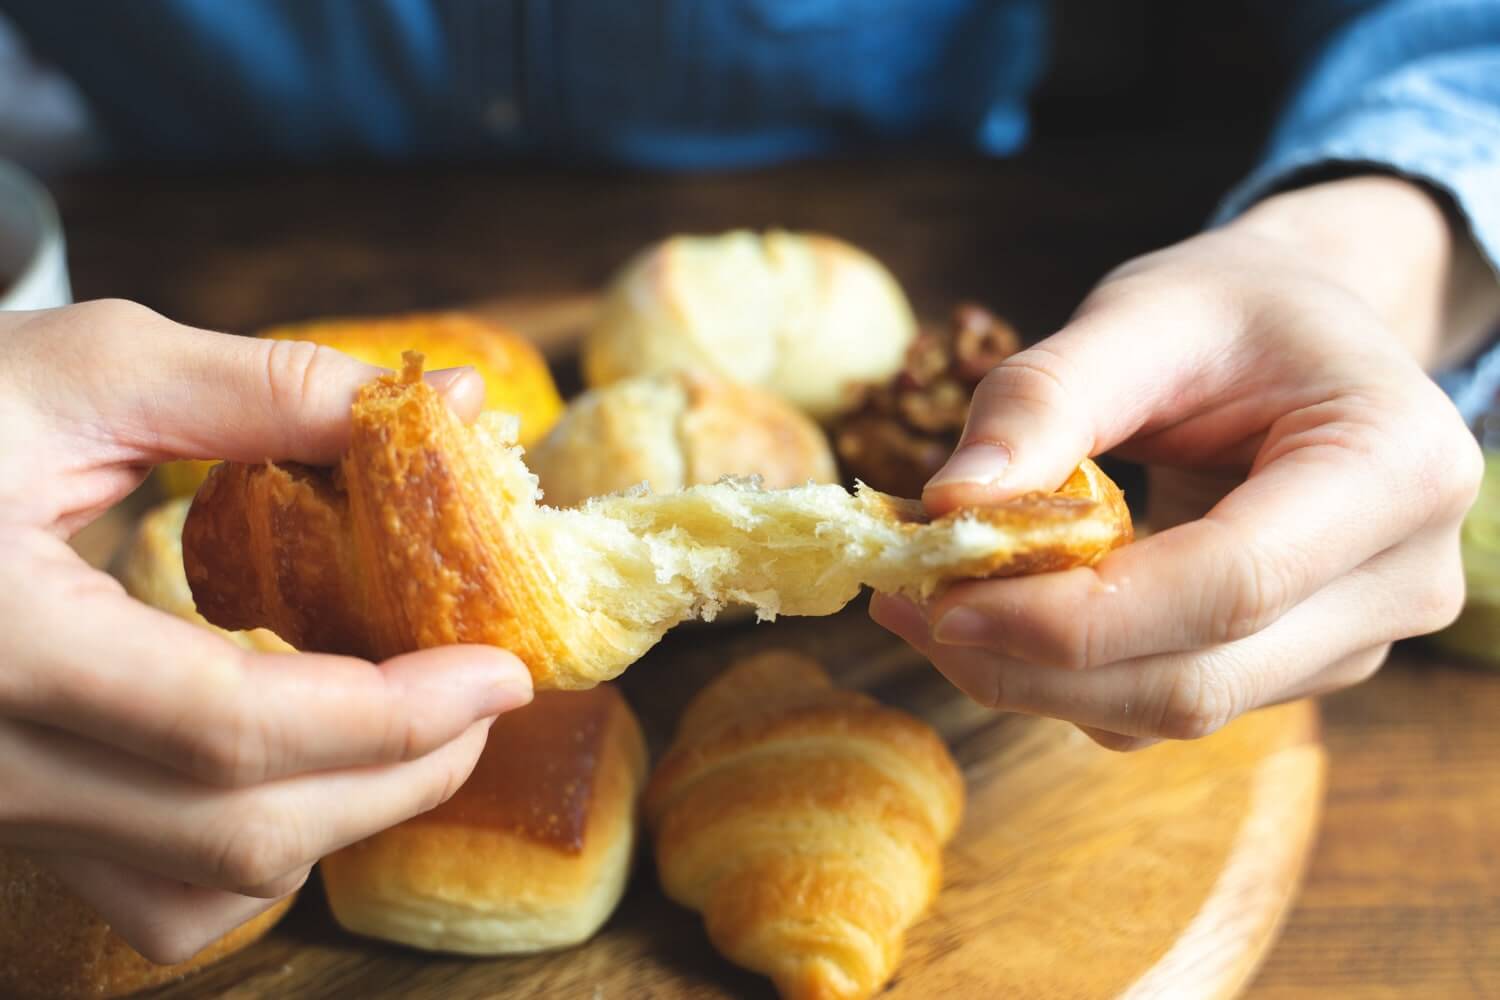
x,y
696,473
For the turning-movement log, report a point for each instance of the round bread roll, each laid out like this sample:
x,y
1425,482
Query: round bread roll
x,y
674,430
531,854
54,947
516,377
150,567
803,315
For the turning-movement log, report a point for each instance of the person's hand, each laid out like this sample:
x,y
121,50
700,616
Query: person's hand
x,y
1269,373
176,782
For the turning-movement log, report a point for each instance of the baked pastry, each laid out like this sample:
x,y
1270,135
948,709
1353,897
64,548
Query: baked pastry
x,y
900,432
150,567
516,377
533,851
798,313
53,946
429,533
673,430
805,823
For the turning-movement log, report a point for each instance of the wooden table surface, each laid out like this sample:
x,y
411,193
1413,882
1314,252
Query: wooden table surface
x,y
1403,895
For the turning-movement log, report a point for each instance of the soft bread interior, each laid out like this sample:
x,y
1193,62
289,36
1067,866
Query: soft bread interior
x,y
430,532
649,561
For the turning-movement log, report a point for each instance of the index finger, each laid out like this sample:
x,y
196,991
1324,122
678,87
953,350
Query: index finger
x,y
97,663
1311,515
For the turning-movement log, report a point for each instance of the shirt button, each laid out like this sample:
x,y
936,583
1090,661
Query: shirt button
x,y
501,115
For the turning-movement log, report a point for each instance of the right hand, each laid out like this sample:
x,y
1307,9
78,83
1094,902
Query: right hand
x,y
177,783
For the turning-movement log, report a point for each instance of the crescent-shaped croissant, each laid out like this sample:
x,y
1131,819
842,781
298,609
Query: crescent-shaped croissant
x,y
429,532
806,823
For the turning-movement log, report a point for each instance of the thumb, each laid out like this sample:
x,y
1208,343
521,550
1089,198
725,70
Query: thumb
x,y
170,391
1040,412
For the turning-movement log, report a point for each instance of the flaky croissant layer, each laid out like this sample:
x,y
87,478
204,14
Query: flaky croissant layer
x,y
805,823
430,532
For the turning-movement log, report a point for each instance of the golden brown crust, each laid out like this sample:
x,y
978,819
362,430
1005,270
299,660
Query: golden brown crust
x,y
531,853
54,947
539,778
1088,512
296,514
429,534
806,823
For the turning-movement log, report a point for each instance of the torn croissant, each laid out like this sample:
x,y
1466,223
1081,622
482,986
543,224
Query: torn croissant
x,y
429,532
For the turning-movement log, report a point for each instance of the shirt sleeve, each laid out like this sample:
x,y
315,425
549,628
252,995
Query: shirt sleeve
x,y
1406,86
1410,87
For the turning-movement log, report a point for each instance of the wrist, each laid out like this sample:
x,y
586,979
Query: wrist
x,y
1385,239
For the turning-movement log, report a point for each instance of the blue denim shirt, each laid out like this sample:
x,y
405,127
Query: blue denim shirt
x,y
1411,86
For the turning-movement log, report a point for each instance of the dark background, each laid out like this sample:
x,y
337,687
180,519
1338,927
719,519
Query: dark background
x,y
1151,111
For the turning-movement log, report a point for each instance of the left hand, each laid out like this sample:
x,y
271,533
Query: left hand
x,y
176,783
1316,478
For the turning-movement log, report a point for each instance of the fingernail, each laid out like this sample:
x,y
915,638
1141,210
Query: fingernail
x,y
979,464
964,627
442,378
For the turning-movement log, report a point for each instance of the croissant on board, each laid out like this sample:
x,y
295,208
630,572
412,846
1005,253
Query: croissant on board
x,y
805,822
429,533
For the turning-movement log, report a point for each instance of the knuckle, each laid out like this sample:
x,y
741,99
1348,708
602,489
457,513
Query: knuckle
x,y
407,735
1193,706
1039,382
170,940
1365,665
255,849
226,755
1069,642
115,313
226,743
1162,288
1449,467
1255,593
282,886
292,371
1036,375
447,780
1439,601
1464,463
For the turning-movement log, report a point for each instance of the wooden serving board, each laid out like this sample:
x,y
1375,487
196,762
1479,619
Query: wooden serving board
x,y
1077,873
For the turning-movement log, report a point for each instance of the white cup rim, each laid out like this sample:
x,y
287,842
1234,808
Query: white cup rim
x,y
49,228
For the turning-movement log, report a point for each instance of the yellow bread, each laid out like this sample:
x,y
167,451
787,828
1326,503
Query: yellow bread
x,y
805,823
532,853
